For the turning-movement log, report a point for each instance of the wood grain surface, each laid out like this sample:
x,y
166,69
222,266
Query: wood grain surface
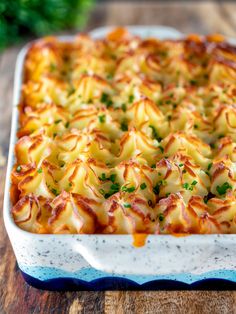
x,y
15,295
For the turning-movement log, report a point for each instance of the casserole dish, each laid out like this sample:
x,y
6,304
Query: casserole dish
x,y
112,261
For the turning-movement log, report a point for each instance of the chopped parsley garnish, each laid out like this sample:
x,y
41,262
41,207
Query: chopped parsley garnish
x,y
195,126
184,171
70,184
164,54
131,98
103,177
40,170
126,189
156,188
186,186
124,125
127,205
153,166
58,121
54,135
124,107
115,187
209,166
181,165
109,76
102,118
221,189
159,174
168,101
55,192
52,67
193,82
112,178
18,169
155,134
71,91
105,99
143,186
213,145
109,103
167,194
220,136
161,217
169,117
67,124
161,149
102,191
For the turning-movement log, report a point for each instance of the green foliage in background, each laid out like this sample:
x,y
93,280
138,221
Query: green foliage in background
x,y
21,18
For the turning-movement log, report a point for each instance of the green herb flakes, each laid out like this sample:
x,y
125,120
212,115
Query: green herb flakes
x,y
161,217
124,107
102,118
131,99
58,121
209,166
55,192
18,169
128,189
155,134
103,177
127,205
221,189
143,186
124,126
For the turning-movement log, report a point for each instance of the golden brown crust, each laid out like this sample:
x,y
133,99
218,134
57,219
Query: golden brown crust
x,y
127,135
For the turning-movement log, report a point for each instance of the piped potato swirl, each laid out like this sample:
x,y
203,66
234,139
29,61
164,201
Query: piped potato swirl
x,y
127,135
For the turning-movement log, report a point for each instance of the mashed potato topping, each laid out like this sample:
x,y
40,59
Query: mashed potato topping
x,y
127,135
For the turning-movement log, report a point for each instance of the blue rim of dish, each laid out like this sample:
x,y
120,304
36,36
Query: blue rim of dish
x,y
117,283
88,278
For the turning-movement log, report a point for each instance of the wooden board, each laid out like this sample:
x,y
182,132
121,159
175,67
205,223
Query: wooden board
x,y
15,294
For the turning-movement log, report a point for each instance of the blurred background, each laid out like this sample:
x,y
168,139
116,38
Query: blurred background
x,y
24,19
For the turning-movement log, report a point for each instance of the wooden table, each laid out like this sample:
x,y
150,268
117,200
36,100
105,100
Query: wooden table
x,y
15,294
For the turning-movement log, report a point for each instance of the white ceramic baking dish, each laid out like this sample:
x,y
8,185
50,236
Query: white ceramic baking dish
x,y
111,261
